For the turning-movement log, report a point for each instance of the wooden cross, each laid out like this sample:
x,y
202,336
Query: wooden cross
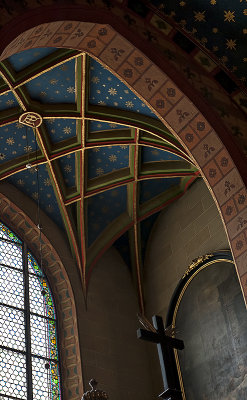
x,y
165,345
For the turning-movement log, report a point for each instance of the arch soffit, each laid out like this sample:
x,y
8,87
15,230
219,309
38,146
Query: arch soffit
x,y
171,105
25,228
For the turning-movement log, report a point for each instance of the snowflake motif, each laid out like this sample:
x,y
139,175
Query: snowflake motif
x,y
123,146
229,16
199,16
112,158
10,141
129,104
67,130
51,120
64,67
99,126
14,152
18,125
68,168
23,137
27,149
20,182
95,79
113,125
47,182
9,102
43,94
99,171
112,91
53,81
96,149
71,89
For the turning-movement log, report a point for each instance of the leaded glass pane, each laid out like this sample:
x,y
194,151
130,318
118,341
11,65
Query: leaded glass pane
x,y
11,287
43,337
40,297
10,254
45,381
6,233
33,267
13,374
12,329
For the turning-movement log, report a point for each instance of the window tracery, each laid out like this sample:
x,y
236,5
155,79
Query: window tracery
x,y
29,362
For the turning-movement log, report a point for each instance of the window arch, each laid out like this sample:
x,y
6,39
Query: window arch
x,y
29,364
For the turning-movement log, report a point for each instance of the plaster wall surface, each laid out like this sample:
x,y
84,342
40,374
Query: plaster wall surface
x,y
111,352
189,228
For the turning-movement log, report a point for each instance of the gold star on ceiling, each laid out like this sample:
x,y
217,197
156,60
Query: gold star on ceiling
x,y
231,44
182,3
213,2
199,16
229,16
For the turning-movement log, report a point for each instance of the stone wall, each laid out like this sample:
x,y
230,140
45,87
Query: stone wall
x,y
187,229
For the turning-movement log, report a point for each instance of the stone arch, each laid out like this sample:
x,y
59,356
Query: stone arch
x,y
70,366
196,127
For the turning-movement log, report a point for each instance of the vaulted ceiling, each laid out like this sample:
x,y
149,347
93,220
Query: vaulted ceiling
x,y
95,164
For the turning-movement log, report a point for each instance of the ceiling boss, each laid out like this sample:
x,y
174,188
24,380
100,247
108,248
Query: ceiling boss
x,y
32,119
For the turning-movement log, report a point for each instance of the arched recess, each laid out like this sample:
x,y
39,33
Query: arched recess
x,y
24,227
197,128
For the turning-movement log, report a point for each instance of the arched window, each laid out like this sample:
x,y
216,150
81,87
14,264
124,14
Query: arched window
x,y
28,342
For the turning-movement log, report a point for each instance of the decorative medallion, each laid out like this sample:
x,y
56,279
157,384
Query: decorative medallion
x,y
197,261
31,119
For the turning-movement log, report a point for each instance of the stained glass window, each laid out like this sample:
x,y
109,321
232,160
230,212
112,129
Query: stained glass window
x,y
29,365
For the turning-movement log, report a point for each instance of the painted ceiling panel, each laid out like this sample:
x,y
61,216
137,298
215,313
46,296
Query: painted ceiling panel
x,y
103,209
67,166
22,60
108,163
106,89
60,128
7,101
96,126
151,188
225,35
102,160
16,140
54,86
152,154
26,181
